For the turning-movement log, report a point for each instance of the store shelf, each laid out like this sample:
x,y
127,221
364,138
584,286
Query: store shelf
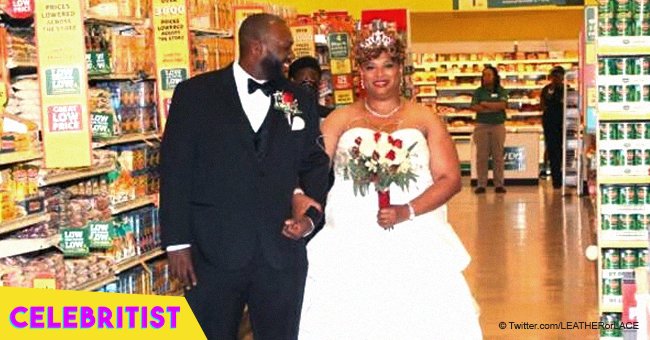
x,y
623,244
611,309
624,179
523,74
131,77
424,83
609,209
524,128
459,115
210,31
442,101
133,204
115,20
624,144
460,129
79,174
623,45
459,74
14,65
18,157
623,80
495,62
525,114
23,222
533,101
96,284
426,95
126,139
13,247
605,115
135,261
616,273
456,88
524,87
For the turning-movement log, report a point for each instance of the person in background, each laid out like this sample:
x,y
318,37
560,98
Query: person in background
x,y
306,72
489,102
552,102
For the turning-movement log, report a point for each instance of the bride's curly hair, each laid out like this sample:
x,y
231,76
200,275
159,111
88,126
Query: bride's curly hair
x,y
376,39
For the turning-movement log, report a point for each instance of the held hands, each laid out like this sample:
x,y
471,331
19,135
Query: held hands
x,y
387,218
181,267
300,225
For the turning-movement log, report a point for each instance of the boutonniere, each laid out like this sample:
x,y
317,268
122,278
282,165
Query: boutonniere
x,y
285,102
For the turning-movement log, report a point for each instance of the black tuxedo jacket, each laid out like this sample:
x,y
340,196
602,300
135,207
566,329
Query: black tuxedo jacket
x,y
216,193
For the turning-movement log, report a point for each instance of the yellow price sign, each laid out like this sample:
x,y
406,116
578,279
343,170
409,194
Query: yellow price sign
x,y
341,66
44,283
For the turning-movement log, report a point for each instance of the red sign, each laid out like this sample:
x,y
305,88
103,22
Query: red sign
x,y
20,9
398,16
64,118
342,82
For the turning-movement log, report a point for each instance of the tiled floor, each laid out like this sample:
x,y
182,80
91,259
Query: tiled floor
x,y
528,262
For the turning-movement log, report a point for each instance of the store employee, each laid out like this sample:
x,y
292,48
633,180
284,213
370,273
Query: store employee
x,y
490,101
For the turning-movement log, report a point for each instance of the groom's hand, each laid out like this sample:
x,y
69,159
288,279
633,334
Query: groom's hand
x,y
296,229
300,203
181,267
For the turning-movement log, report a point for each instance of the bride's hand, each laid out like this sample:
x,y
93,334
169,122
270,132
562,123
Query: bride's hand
x,y
394,214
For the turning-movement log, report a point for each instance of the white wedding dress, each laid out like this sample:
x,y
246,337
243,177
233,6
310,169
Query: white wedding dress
x,y
365,282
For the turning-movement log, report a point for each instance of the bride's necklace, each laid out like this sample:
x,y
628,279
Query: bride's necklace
x,y
382,115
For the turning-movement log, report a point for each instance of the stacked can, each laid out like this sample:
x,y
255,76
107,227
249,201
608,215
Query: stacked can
x,y
640,10
632,131
623,17
613,321
614,258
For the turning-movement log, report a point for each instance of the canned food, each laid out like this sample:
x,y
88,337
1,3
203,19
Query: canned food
x,y
642,194
622,6
603,129
645,65
616,66
639,130
626,222
629,259
616,157
605,6
602,67
603,94
643,257
627,195
641,26
633,66
646,157
615,94
623,25
626,130
633,93
606,26
639,6
645,93
639,157
609,195
636,222
610,222
611,259
612,287
612,319
604,157
621,130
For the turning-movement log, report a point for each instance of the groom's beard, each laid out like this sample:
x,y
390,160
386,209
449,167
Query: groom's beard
x,y
272,67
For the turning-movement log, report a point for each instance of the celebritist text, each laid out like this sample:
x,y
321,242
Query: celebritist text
x,y
84,317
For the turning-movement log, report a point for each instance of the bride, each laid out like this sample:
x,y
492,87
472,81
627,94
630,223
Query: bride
x,y
396,272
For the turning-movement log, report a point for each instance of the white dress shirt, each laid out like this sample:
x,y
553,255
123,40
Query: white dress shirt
x,y
256,106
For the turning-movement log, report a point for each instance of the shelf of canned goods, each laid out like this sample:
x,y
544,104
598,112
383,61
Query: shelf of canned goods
x,y
623,209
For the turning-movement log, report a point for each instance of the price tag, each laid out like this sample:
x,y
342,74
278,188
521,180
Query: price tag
x,y
74,241
44,283
99,234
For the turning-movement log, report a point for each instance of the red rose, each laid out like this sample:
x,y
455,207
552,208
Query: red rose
x,y
391,155
377,135
287,97
357,141
397,143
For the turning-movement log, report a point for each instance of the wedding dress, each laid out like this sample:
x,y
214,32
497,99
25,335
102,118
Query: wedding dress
x,y
365,282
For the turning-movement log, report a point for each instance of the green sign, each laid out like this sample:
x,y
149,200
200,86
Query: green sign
x,y
171,77
74,241
99,234
102,124
61,81
339,45
98,63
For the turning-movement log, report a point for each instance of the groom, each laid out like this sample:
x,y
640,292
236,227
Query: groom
x,y
237,143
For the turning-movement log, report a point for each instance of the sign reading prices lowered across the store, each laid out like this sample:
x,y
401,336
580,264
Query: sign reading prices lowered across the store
x,y
63,83
303,41
171,40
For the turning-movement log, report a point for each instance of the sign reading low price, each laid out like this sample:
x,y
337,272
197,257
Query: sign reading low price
x,y
102,124
171,42
20,9
74,241
99,234
63,83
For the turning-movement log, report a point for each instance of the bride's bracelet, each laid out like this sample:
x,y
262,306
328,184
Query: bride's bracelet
x,y
411,211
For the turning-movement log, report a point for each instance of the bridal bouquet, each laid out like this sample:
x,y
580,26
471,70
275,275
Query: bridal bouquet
x,y
381,161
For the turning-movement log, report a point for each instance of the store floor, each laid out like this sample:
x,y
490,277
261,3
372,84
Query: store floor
x,y
528,262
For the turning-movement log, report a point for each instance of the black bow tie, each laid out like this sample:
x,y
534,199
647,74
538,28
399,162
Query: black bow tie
x,y
267,88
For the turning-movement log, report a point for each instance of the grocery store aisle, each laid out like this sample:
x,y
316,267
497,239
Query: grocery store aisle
x,y
528,262
527,265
